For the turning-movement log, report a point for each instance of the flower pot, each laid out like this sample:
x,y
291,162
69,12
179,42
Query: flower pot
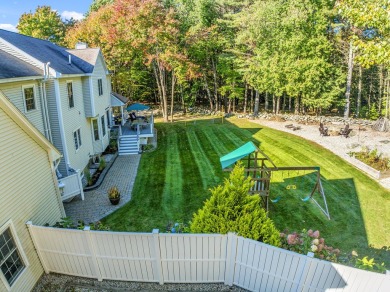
x,y
115,201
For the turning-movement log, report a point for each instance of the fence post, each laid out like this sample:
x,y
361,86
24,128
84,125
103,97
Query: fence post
x,y
302,278
87,230
231,252
37,248
80,184
157,256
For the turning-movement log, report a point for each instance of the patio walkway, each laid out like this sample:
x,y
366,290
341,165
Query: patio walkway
x,y
96,204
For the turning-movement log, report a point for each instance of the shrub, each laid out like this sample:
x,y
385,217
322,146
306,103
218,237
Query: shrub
x,y
370,265
67,223
309,241
113,193
102,164
88,176
231,209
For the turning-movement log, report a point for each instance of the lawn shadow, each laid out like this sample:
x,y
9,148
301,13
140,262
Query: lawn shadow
x,y
289,193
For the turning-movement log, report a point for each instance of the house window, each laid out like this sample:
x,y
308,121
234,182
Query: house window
x,y
69,86
95,127
77,139
108,119
12,259
29,98
103,126
100,86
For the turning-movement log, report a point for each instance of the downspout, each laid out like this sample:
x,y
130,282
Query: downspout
x,y
44,115
61,122
44,103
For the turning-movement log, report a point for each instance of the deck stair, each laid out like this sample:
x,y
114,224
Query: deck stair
x,y
128,145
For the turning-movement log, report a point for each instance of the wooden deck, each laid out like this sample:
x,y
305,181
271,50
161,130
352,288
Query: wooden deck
x,y
144,130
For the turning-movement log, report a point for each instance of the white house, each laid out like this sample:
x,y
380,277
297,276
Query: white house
x,y
64,93
29,191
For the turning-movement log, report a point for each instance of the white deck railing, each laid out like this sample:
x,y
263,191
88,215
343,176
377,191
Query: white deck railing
x,y
71,186
193,258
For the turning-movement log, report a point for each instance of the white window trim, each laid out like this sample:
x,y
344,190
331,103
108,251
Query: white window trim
x,y
24,97
67,96
98,128
9,224
79,140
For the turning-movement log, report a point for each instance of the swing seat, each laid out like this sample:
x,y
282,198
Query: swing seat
x,y
277,199
306,199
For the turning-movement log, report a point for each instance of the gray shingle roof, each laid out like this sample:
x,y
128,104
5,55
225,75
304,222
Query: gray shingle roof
x,y
12,67
89,55
46,51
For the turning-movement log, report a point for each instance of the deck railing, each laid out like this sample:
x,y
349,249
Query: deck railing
x,y
193,258
71,186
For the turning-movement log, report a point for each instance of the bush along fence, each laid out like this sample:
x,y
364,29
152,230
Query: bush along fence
x,y
193,258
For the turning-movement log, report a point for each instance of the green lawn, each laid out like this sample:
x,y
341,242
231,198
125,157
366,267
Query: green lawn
x,y
173,182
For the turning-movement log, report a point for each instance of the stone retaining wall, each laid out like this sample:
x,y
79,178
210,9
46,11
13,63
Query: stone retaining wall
x,y
304,119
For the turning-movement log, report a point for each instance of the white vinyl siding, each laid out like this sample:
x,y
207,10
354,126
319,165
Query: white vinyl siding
x,y
101,103
29,98
14,92
28,192
54,123
75,119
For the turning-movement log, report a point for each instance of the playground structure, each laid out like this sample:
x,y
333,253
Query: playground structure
x,y
260,168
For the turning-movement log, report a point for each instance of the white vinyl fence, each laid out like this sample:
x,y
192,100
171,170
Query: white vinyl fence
x,y
193,258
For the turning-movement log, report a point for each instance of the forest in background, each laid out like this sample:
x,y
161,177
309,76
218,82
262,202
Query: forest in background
x,y
299,56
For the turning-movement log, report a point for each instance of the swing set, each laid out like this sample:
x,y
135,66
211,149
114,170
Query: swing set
x,y
260,168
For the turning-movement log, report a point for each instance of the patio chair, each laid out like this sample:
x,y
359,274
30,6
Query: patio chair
x,y
345,131
323,130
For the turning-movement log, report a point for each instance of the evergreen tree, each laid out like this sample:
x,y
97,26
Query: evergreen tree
x,y
231,209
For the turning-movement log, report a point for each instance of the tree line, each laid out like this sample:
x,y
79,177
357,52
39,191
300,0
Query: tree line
x,y
300,56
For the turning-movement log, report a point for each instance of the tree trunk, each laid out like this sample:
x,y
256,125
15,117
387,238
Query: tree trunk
x,y
381,89
266,104
277,105
245,97
182,100
349,82
359,96
256,110
289,104
206,85
215,84
297,105
160,93
172,93
369,98
387,114
273,104
252,97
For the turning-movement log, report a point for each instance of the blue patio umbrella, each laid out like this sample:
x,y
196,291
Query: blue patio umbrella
x,y
137,107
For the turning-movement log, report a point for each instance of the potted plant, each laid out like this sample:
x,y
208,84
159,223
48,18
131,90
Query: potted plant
x,y
114,195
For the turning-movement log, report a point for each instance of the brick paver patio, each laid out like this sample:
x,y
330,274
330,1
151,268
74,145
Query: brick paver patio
x,y
96,204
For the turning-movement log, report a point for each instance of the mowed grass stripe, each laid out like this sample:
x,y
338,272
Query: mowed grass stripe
x,y
205,167
219,146
193,197
173,187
